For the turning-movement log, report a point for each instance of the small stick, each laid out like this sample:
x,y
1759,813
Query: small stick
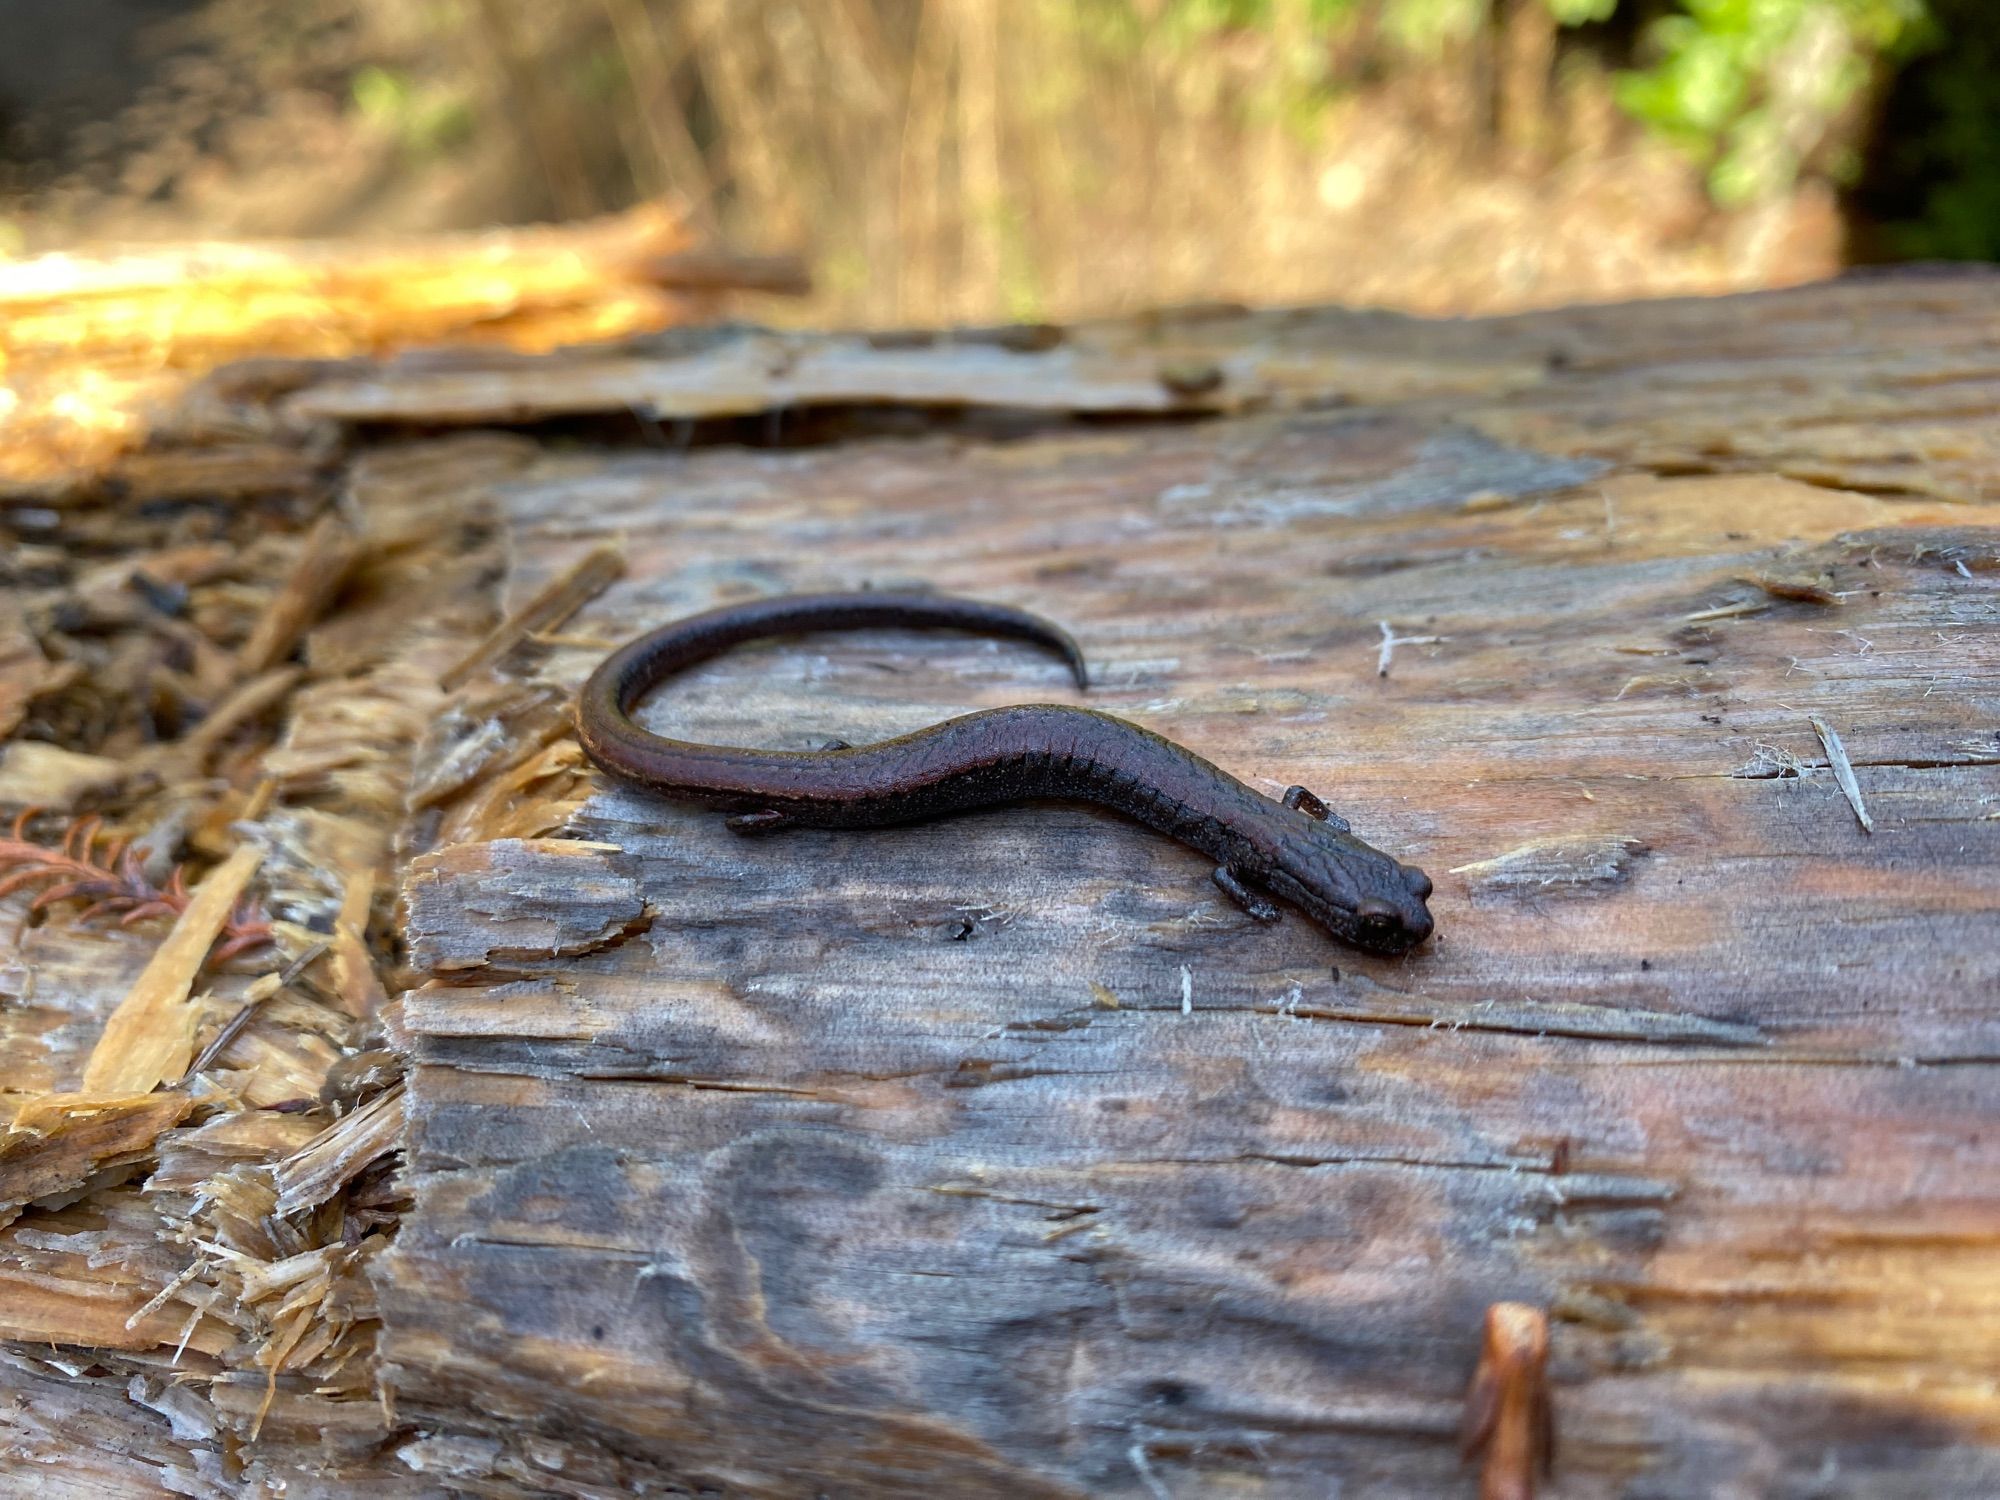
x,y
1390,641
354,977
245,702
258,993
1729,611
1136,1455
259,801
160,1298
1843,770
1508,1416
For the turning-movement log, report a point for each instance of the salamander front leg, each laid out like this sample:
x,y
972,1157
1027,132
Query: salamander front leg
x,y
1233,887
757,822
1299,798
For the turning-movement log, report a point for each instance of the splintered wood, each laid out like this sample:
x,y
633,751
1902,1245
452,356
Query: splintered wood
x,y
1004,1157
201,1161
88,345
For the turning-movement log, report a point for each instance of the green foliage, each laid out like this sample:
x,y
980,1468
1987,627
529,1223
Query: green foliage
x,y
1581,12
1427,27
379,94
425,119
1935,188
1751,86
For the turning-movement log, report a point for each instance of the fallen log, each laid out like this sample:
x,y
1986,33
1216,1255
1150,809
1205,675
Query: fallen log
x,y
1004,1155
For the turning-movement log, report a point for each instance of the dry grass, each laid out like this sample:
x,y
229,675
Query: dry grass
x,y
1036,160
977,160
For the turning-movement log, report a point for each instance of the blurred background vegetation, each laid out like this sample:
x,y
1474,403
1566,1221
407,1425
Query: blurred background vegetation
x,y
948,160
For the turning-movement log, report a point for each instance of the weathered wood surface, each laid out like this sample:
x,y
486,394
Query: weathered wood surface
x,y
1004,1156
1801,383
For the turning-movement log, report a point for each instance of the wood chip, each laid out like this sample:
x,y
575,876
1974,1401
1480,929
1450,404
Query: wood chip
x,y
560,598
324,559
60,1141
1561,864
1801,590
149,1038
25,669
354,977
1843,770
34,773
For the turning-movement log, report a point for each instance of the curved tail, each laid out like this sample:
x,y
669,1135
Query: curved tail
x,y
628,673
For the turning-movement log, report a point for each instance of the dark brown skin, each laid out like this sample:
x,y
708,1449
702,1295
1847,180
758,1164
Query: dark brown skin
x,y
1293,849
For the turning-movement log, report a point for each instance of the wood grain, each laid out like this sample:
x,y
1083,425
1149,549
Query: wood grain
x,y
1003,1156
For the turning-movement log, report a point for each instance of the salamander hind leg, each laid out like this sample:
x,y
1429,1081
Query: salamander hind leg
x,y
1259,907
1299,798
766,821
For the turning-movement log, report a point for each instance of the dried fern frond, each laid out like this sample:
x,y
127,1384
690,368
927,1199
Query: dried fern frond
x,y
107,875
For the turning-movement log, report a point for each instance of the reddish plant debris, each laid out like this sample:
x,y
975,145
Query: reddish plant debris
x,y
83,866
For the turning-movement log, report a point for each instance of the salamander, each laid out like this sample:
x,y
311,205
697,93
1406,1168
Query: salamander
x,y
1292,848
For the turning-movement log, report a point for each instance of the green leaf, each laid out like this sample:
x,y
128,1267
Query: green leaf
x,y
379,94
1580,12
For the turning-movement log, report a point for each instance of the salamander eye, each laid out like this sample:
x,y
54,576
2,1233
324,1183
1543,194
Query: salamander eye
x,y
1377,920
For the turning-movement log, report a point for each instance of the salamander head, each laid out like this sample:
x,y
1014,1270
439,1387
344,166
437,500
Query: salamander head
x,y
1352,889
